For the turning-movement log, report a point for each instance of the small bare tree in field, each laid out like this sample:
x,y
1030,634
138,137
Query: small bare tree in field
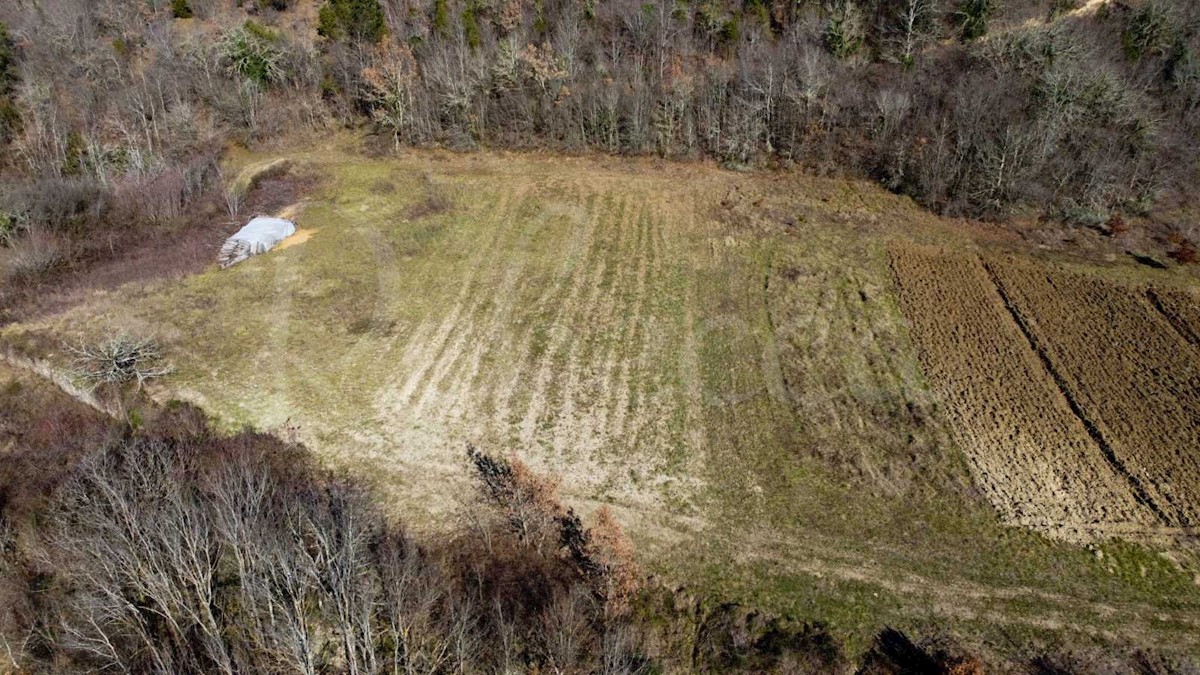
x,y
390,85
118,361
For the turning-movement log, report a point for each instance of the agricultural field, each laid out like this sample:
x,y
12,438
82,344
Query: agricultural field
x,y
1133,379
1029,451
1074,396
783,391
1181,308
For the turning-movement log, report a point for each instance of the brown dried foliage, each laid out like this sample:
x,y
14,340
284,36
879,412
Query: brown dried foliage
x,y
1185,253
613,550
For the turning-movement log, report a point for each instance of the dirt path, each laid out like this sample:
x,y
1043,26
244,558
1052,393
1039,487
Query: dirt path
x,y
1130,623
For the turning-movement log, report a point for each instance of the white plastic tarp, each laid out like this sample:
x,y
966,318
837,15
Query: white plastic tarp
x,y
258,236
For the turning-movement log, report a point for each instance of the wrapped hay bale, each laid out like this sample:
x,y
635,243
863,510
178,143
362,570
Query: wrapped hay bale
x,y
258,236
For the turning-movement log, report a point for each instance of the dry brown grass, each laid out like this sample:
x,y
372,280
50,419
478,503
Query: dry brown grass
x,y
436,198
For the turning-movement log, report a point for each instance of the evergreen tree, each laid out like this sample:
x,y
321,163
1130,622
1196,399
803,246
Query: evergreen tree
x,y
353,20
8,62
181,9
441,18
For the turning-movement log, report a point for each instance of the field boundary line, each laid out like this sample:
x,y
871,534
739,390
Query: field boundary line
x,y
44,370
1135,484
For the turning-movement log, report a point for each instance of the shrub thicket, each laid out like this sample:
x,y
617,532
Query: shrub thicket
x,y
176,549
253,53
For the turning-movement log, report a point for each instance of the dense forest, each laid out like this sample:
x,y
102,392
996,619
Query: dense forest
x,y
115,110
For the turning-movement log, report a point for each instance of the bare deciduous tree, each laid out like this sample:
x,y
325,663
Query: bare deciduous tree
x,y
117,361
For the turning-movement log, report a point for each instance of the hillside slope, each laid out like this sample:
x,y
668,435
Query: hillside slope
x,y
723,358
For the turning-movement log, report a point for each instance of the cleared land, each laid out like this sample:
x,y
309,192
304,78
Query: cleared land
x,y
1181,308
1076,398
721,357
1029,451
1133,378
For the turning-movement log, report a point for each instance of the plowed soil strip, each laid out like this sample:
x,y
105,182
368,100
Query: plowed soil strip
x,y
1029,452
1181,310
1135,484
1134,378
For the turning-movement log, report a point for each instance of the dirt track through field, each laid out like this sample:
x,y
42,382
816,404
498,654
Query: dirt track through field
x,y
1029,451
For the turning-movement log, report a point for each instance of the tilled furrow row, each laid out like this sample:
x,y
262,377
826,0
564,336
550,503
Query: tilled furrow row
x,y
1029,452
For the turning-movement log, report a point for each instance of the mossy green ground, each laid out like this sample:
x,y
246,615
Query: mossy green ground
x,y
717,356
